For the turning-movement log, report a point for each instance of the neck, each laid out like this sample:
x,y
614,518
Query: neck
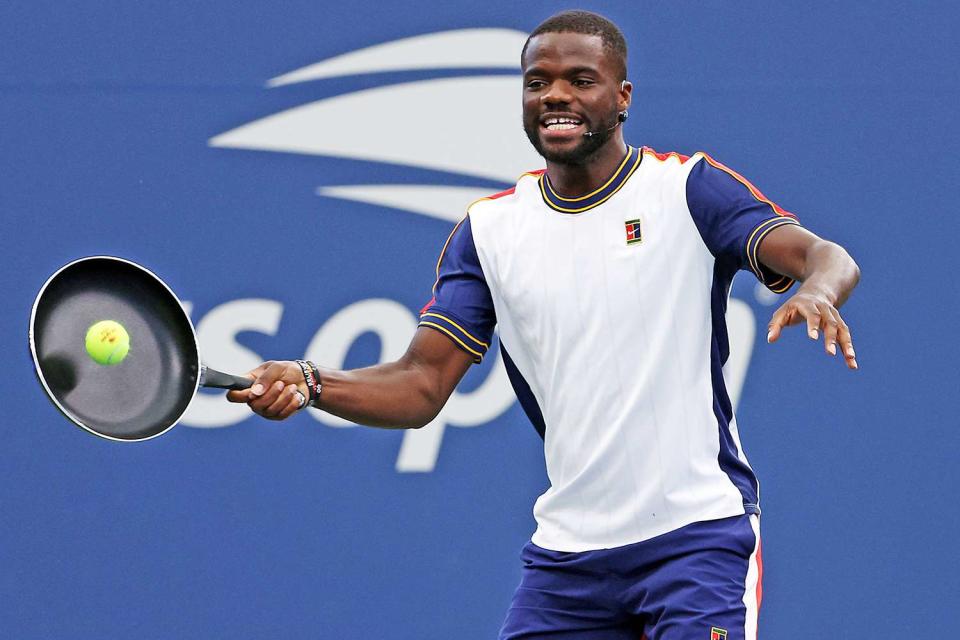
x,y
571,180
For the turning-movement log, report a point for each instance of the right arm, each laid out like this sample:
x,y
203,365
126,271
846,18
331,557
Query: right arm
x,y
403,394
411,391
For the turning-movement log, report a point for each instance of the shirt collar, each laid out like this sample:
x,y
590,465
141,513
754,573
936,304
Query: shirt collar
x,y
595,198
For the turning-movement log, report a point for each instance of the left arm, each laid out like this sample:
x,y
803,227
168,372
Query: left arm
x,y
828,274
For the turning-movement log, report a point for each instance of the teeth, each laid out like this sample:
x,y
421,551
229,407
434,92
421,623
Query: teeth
x,y
550,121
561,123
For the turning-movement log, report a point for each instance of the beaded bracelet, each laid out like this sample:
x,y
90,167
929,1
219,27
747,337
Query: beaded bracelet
x,y
312,377
315,401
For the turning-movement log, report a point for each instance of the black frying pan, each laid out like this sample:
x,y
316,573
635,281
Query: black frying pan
x,y
147,393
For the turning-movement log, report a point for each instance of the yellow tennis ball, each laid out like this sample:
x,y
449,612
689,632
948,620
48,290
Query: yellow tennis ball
x,y
107,342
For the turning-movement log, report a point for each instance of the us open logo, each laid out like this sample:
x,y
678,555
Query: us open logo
x,y
485,63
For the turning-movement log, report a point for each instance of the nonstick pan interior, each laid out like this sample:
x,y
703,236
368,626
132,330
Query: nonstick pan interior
x,y
147,392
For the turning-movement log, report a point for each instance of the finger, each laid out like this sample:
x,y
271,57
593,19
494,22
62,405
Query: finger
x,y
261,404
297,402
830,326
845,338
287,399
780,319
813,317
776,325
243,395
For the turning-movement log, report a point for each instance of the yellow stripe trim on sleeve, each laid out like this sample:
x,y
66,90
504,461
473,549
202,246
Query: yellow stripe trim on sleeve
x,y
756,245
750,257
443,251
777,287
450,333
465,332
751,247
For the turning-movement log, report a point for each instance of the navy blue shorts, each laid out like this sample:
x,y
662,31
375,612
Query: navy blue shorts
x,y
700,582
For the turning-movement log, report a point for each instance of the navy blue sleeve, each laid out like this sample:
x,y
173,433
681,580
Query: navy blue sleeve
x,y
733,218
461,307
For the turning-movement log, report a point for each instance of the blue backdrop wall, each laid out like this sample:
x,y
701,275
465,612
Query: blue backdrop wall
x,y
218,143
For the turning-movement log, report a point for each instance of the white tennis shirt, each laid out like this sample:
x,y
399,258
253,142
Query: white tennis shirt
x,y
610,309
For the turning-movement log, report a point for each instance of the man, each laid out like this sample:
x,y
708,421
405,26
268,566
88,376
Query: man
x,y
607,275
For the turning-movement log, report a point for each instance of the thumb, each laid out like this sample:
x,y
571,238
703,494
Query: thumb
x,y
241,396
253,375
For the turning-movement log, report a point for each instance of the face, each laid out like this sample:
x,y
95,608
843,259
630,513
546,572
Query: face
x,y
571,85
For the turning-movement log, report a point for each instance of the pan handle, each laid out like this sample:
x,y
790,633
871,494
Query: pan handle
x,y
219,380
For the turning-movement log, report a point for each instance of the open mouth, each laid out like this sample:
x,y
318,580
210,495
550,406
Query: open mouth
x,y
558,124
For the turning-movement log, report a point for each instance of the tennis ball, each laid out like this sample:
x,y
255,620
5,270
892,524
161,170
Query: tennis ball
x,y
107,342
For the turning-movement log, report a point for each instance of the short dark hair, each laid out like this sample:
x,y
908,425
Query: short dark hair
x,y
587,23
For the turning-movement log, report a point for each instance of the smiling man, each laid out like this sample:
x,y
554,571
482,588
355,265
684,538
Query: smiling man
x,y
607,276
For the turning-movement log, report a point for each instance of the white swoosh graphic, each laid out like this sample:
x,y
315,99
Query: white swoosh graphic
x,y
447,124
445,203
461,49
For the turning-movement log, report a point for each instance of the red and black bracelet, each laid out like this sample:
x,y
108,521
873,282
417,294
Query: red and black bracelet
x,y
312,377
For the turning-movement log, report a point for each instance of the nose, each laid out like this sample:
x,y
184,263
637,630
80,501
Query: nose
x,y
558,93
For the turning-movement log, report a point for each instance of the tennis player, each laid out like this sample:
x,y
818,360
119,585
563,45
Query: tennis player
x,y
607,275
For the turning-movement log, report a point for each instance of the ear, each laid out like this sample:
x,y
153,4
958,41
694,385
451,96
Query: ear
x,y
626,95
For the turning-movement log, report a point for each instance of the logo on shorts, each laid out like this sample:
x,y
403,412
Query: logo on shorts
x,y
716,633
633,231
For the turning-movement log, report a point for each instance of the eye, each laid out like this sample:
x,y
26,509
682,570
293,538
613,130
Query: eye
x,y
583,82
536,84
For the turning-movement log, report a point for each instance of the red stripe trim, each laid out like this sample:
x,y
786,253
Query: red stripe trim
x,y
511,190
759,573
505,192
663,157
756,193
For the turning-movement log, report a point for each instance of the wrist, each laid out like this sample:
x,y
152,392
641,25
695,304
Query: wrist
x,y
311,377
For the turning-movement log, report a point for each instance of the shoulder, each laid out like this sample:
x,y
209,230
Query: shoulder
x,y
669,167
671,157
508,198
709,168
711,180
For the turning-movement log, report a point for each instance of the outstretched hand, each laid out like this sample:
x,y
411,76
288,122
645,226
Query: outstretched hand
x,y
278,390
820,316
